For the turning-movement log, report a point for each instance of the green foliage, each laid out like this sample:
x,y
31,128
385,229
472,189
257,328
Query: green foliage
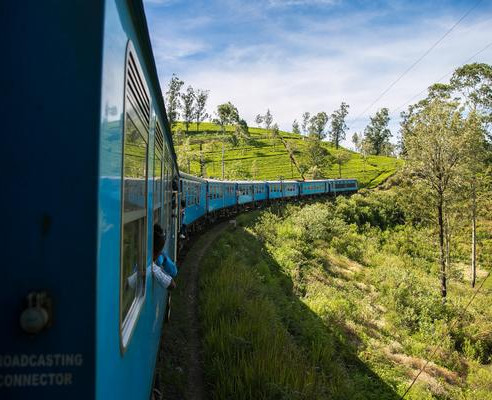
x,y
370,171
338,125
339,299
378,209
173,101
200,114
317,125
188,107
377,133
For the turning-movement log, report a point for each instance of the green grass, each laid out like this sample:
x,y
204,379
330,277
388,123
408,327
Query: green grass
x,y
272,159
262,341
304,303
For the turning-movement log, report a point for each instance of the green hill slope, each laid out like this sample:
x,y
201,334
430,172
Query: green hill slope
x,y
270,156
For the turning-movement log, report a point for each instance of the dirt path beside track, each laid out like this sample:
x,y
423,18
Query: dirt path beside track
x,y
180,365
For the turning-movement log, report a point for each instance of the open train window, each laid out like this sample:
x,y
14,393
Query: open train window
x,y
134,196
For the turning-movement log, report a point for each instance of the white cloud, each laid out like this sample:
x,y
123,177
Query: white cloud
x,y
320,65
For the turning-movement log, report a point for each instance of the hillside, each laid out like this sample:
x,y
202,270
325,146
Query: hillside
x,y
340,300
270,156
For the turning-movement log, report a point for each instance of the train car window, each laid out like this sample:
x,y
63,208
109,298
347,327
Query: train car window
x,y
168,189
158,174
134,196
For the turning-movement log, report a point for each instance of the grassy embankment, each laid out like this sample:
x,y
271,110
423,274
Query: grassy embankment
x,y
272,159
341,300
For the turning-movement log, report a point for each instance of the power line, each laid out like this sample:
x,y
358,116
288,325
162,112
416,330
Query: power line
x,y
442,77
419,59
450,329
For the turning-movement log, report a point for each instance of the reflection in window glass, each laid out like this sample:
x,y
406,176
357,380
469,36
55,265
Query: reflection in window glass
x,y
133,247
158,195
134,235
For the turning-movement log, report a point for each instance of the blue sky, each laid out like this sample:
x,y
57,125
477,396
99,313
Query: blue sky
x,y
293,56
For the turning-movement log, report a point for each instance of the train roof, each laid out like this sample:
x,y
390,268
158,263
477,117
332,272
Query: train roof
x,y
283,181
141,27
191,177
219,181
251,182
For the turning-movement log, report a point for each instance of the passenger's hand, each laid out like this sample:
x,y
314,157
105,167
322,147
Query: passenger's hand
x,y
172,285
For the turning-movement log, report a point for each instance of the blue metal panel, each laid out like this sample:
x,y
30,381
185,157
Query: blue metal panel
x,y
230,194
313,187
260,191
290,188
50,71
344,185
275,189
244,193
215,195
127,375
194,192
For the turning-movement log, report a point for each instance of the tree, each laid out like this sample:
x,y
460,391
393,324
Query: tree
x,y
295,127
435,151
341,158
318,157
474,83
259,119
305,123
317,125
201,97
173,102
474,179
203,162
241,130
377,132
186,156
227,114
357,141
437,91
338,125
188,101
267,121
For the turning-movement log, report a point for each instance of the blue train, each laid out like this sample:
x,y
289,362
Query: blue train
x,y
205,199
89,167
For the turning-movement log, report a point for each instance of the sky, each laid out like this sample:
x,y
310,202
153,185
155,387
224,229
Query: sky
x,y
293,56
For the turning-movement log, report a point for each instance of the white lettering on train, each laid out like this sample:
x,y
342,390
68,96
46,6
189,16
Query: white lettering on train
x,y
23,380
40,360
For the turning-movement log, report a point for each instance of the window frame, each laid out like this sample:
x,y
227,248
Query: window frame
x,y
128,322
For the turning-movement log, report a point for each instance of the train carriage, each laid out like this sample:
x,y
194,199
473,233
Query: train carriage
x,y
275,190
313,187
290,188
343,185
245,192
260,191
216,191
230,194
73,326
194,193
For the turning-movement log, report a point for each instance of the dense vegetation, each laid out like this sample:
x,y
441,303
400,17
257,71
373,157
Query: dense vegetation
x,y
340,299
351,298
262,157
